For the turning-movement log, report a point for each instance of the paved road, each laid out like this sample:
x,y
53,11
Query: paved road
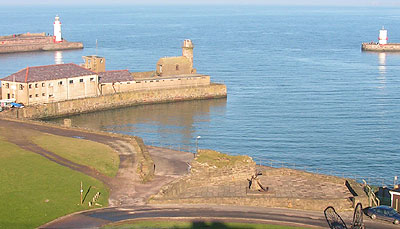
x,y
102,217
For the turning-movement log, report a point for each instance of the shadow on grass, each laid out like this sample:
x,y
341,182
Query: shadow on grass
x,y
202,224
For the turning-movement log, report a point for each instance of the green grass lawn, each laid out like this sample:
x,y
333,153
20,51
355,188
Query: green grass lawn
x,y
219,160
84,152
182,225
34,190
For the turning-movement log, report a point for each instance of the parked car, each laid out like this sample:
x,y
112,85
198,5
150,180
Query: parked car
x,y
17,105
384,213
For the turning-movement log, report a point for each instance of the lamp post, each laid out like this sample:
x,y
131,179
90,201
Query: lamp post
x,y
197,145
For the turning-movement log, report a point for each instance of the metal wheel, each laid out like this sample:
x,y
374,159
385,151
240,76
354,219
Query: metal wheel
x,y
373,216
358,222
333,219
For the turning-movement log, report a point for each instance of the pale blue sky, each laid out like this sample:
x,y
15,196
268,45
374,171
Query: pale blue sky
x,y
186,2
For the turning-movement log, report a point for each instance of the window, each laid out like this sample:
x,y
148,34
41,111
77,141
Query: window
x,y
43,84
92,79
60,83
160,66
50,84
30,86
81,80
50,96
36,85
128,82
43,94
177,67
37,95
12,95
21,87
30,96
7,85
71,81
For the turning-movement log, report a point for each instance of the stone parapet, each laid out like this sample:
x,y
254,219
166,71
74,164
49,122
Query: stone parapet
x,y
264,201
145,164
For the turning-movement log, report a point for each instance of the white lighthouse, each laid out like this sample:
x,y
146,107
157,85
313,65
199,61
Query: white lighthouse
x,y
57,30
383,38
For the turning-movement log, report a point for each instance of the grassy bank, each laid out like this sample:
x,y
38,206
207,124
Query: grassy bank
x,y
92,154
34,190
220,160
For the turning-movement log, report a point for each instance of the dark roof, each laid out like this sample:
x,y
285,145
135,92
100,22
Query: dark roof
x,y
115,76
396,190
48,72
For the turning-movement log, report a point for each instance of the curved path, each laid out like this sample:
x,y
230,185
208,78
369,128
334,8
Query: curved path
x,y
126,187
20,133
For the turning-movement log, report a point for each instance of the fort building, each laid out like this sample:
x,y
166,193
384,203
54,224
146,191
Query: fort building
x,y
95,63
60,82
51,83
177,65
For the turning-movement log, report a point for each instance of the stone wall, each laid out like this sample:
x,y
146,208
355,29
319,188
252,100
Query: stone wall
x,y
42,46
28,34
145,164
24,40
62,46
392,47
69,107
213,181
264,201
154,84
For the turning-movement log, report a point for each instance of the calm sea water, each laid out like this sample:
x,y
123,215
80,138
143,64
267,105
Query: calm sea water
x,y
300,89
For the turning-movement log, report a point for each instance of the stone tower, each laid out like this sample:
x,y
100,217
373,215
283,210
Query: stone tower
x,y
95,63
187,51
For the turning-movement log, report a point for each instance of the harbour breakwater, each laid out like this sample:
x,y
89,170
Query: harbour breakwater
x,y
30,42
91,104
40,47
373,47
